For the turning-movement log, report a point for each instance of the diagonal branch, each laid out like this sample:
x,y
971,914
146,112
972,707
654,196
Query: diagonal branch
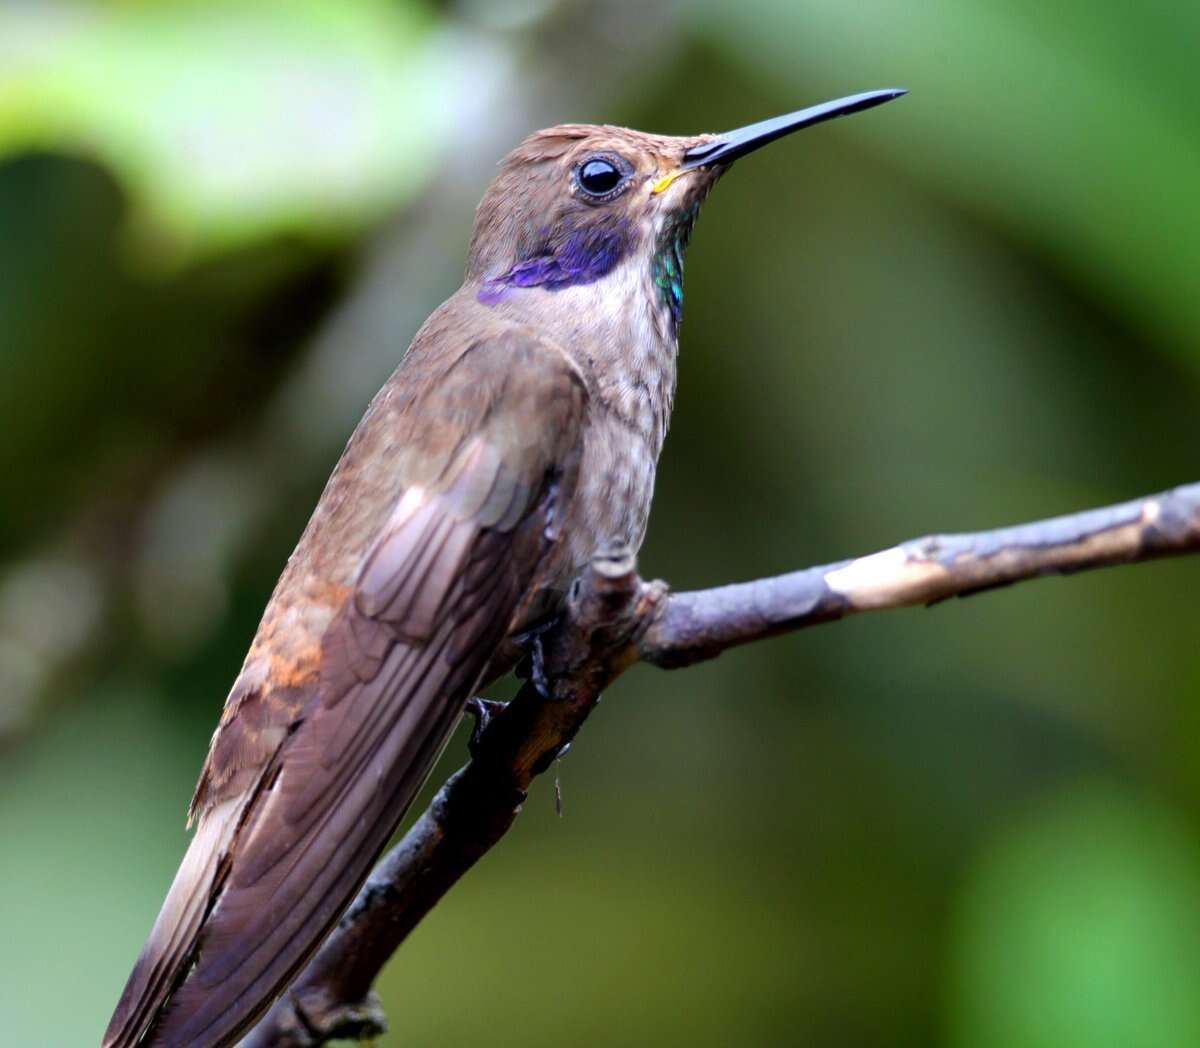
x,y
614,620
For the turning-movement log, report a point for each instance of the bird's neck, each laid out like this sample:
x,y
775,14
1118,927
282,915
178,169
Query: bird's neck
x,y
613,306
621,329
666,264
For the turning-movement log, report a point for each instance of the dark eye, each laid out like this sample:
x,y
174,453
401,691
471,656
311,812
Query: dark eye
x,y
599,176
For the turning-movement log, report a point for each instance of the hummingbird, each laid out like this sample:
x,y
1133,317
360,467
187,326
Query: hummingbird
x,y
517,437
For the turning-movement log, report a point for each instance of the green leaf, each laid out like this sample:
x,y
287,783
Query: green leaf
x,y
228,122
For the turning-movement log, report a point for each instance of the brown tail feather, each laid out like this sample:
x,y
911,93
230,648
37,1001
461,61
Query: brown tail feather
x,y
165,957
288,910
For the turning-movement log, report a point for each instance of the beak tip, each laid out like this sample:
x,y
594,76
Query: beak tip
x,y
733,144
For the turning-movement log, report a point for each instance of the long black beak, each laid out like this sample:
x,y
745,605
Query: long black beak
x,y
726,148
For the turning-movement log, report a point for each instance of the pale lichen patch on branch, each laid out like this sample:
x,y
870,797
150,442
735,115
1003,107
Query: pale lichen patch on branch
x,y
892,578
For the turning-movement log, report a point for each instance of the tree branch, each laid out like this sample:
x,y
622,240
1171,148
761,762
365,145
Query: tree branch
x,y
613,619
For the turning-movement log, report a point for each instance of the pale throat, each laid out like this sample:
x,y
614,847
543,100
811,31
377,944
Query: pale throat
x,y
595,253
612,295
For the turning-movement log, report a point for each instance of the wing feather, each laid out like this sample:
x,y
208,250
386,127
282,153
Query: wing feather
x,y
273,865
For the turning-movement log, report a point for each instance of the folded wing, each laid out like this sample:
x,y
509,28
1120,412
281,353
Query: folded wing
x,y
281,850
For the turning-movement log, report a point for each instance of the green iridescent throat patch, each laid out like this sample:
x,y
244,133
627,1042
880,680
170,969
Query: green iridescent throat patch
x,y
666,267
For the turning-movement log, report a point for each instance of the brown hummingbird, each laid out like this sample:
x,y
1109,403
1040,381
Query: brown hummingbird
x,y
517,437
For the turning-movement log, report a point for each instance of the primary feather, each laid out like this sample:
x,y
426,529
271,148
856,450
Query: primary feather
x,y
344,704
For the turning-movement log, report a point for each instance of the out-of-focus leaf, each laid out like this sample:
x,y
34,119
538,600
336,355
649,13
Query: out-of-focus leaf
x,y
1081,929
1072,124
227,122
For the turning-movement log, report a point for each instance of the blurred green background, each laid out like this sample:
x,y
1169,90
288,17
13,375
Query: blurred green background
x,y
220,224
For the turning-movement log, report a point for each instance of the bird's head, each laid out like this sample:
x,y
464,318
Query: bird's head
x,y
573,203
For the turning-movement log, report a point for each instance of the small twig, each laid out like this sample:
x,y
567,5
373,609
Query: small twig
x,y
698,625
614,620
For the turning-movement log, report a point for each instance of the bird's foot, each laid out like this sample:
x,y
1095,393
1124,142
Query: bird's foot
x,y
533,666
483,710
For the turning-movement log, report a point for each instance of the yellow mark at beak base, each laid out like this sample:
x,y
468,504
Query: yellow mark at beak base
x,y
665,181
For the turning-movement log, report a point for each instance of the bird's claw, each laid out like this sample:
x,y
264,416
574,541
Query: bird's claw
x,y
483,710
537,666
533,667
